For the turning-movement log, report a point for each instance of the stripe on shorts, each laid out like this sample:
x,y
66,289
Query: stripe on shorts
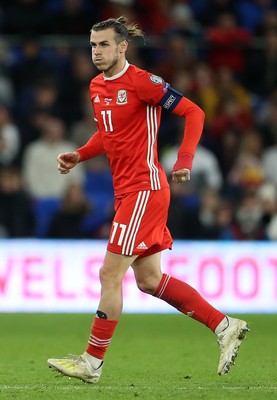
x,y
135,221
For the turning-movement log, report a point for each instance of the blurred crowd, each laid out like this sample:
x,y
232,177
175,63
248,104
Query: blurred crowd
x,y
222,54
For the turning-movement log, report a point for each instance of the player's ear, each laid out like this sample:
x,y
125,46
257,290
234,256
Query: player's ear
x,y
123,46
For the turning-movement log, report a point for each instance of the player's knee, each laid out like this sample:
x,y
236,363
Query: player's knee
x,y
148,285
108,277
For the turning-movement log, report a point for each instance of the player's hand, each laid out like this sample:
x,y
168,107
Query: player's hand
x,y
67,161
181,175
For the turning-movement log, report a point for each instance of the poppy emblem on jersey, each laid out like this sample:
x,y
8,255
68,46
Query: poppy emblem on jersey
x,y
121,97
156,79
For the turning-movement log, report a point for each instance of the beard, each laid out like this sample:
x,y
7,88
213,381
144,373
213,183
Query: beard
x,y
108,67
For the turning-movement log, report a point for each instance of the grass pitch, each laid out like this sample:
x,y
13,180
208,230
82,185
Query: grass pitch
x,y
151,357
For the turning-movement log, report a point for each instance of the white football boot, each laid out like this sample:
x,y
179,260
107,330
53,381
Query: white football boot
x,y
229,340
76,367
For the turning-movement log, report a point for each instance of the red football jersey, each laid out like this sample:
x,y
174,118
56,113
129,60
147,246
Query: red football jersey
x,y
128,117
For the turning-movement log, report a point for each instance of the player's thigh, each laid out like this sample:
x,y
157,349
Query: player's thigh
x,y
115,266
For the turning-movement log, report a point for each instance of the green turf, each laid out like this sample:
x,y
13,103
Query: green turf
x,y
151,357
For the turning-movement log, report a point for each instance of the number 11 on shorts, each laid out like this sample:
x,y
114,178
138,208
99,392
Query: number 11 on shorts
x,y
114,230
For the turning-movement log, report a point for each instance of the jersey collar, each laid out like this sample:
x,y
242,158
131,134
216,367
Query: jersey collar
x,y
122,72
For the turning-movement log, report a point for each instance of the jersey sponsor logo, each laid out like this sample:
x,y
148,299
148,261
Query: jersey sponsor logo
x,y
169,102
96,99
107,100
156,79
121,97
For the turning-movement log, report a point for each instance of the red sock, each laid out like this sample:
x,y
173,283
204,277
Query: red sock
x,y
101,335
187,300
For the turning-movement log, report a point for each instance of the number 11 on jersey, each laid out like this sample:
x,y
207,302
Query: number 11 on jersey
x,y
107,120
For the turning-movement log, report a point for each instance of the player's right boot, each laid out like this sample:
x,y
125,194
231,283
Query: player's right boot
x,y
76,367
229,340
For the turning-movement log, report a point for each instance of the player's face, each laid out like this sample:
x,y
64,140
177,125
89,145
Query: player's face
x,y
107,54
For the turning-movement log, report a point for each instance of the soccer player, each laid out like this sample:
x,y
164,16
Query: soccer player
x,y
127,104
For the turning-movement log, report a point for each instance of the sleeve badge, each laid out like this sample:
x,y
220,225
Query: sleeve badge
x,y
156,79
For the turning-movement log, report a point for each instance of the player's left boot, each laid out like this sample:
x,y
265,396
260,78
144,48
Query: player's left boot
x,y
76,367
229,340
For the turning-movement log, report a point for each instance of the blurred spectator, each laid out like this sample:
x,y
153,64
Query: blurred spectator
x,y
224,220
206,90
25,17
74,17
198,223
226,43
213,89
251,12
271,230
154,15
260,74
31,125
82,130
6,86
99,190
129,8
177,210
209,12
248,223
267,195
268,23
81,73
29,67
268,127
177,56
197,6
267,120
206,171
6,90
227,150
182,22
246,174
9,138
229,116
40,173
269,162
202,223
16,217
44,99
67,222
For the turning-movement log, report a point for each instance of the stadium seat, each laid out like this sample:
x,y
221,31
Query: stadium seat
x,y
44,210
